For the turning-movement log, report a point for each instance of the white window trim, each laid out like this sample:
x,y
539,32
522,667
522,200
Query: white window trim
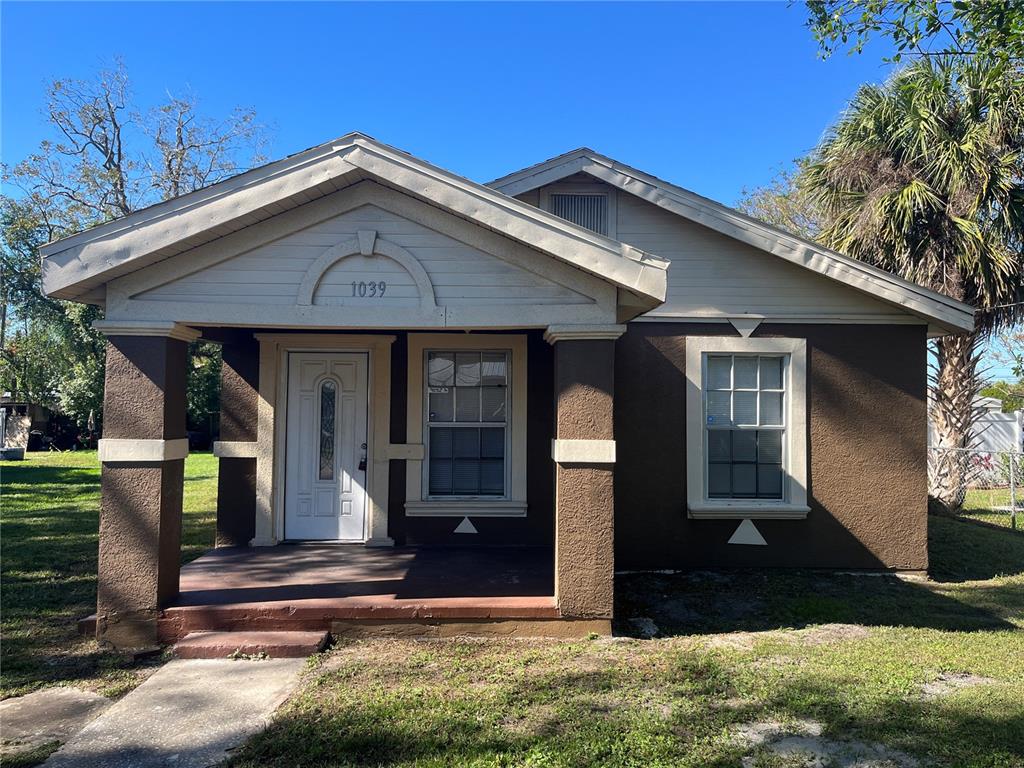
x,y
794,501
585,189
418,503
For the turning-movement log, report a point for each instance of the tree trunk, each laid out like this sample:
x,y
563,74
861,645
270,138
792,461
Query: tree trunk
x,y
954,386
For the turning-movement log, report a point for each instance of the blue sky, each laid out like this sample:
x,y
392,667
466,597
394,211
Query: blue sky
x,y
712,96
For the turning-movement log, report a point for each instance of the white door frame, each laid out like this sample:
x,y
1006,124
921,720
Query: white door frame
x,y
272,427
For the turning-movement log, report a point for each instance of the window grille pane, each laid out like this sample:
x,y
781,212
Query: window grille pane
x,y
466,477
771,409
467,404
493,403
744,405
769,481
744,445
492,443
718,481
745,373
440,443
719,445
493,369
440,369
466,442
719,408
440,477
744,480
492,477
442,405
328,392
719,372
771,373
590,211
769,446
467,369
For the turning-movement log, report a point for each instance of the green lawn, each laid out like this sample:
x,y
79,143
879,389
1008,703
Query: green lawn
x,y
992,505
862,657
48,546
854,654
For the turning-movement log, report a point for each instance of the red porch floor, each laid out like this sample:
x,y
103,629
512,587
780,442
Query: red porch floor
x,y
311,586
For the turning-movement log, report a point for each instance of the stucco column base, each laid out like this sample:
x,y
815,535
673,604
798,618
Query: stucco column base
x,y
584,492
140,550
584,532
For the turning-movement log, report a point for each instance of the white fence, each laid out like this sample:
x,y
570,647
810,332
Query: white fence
x,y
986,484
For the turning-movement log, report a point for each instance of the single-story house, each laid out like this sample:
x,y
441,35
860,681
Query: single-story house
x,y
488,398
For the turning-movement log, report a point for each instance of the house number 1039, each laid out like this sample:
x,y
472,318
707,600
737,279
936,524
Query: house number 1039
x,y
373,289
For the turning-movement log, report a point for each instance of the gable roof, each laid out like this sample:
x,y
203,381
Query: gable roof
x,y
948,314
74,267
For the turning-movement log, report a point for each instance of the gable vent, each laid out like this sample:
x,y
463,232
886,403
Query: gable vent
x,y
590,211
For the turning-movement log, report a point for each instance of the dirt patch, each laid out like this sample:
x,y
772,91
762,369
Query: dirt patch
x,y
800,744
951,682
832,633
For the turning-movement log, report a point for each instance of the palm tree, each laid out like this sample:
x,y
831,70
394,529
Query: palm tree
x,y
924,176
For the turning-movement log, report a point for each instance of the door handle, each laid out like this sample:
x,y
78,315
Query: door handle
x,y
362,461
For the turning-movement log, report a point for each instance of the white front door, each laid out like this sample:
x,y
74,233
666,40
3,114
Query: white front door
x,y
325,482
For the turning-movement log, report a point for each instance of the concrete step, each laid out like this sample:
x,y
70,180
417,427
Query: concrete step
x,y
277,645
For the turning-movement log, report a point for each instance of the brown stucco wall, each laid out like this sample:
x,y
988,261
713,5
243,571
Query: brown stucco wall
x,y
140,509
584,519
867,454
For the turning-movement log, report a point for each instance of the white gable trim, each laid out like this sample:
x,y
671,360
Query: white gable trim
x,y
76,264
949,314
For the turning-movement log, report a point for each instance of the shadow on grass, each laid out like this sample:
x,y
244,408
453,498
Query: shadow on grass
x,y
48,556
756,600
624,714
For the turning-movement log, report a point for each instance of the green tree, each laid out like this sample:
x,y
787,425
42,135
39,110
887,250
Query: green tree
x,y
783,203
923,176
106,158
990,29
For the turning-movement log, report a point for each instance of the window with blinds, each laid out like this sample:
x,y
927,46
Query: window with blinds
x,y
586,210
467,420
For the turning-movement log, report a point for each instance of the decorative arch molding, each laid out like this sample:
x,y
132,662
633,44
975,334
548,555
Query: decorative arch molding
x,y
366,243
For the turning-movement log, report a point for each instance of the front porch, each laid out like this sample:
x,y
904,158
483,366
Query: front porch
x,y
352,590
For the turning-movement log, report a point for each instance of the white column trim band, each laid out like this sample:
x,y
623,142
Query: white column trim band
x,y
236,449
169,329
583,451
556,333
147,451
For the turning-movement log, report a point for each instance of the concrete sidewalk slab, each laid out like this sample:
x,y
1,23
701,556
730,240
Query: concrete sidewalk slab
x,y
187,715
42,717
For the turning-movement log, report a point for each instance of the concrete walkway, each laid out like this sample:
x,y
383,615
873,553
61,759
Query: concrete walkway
x,y
187,715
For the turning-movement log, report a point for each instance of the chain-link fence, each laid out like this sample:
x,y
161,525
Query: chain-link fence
x,y
984,485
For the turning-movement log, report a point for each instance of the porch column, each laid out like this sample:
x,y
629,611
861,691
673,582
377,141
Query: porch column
x,y
584,455
143,464
236,449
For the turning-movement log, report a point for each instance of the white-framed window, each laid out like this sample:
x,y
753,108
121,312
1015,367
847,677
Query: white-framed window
x,y
467,412
587,205
746,442
466,423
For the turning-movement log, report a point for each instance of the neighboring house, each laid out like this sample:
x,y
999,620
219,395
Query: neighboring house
x,y
578,359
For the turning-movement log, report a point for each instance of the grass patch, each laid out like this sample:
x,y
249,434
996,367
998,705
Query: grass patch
x,y
48,549
851,653
992,506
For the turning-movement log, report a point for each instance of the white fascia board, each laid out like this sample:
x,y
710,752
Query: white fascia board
x,y
71,263
947,313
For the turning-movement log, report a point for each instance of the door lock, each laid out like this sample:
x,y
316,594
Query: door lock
x,y
362,461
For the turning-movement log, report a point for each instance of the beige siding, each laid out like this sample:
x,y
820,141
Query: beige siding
x,y
460,274
715,276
